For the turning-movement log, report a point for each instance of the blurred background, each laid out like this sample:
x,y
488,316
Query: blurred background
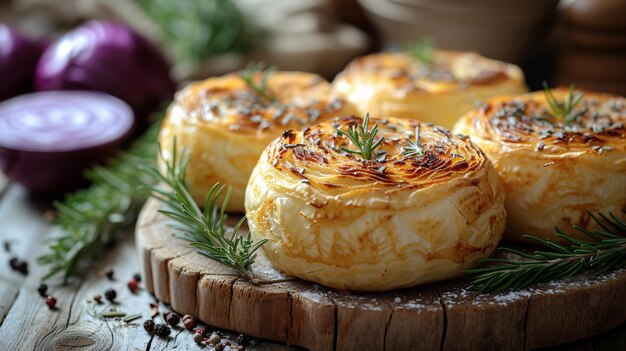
x,y
567,41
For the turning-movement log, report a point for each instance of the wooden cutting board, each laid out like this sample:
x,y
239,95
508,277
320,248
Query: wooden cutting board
x,y
446,316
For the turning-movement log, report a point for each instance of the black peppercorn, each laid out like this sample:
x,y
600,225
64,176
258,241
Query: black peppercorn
x,y
97,298
162,330
137,277
19,265
148,325
172,319
110,274
42,289
110,295
243,339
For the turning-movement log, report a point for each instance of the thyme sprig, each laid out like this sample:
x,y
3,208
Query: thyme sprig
x,y
94,217
415,147
205,229
363,138
605,250
260,88
423,51
566,111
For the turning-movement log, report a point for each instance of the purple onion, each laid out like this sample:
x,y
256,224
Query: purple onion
x,y
108,57
48,139
18,59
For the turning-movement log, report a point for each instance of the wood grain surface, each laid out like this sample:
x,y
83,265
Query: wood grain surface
x,y
27,324
444,316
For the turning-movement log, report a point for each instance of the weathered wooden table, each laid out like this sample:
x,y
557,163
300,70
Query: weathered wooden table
x,y
26,323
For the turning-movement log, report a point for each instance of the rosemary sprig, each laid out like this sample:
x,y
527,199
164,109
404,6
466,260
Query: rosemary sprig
x,y
362,138
566,111
604,251
205,230
414,148
423,51
261,89
92,218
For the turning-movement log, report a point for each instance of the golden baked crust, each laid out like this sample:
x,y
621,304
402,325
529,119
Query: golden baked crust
x,y
396,84
553,172
395,221
225,126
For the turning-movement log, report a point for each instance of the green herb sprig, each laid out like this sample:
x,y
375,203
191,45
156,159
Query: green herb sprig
x,y
415,147
423,51
565,111
261,89
94,217
205,230
604,251
363,138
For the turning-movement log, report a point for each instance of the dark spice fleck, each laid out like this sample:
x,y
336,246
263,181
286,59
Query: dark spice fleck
x,y
148,325
110,274
110,295
137,277
540,146
97,298
18,265
243,339
173,319
7,246
42,290
162,330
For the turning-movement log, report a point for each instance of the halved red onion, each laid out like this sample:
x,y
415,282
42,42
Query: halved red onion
x,y
47,139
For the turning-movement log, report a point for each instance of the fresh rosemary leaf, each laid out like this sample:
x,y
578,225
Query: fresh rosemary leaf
x,y
565,111
260,88
93,217
414,148
206,229
363,138
604,251
423,51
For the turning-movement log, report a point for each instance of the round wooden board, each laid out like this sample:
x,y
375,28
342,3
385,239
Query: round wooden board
x,y
446,316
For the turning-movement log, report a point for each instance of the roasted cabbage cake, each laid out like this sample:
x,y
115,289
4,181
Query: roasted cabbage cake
x,y
425,207
399,85
558,154
224,124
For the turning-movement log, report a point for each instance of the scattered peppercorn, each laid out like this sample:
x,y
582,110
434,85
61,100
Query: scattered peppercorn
x,y
133,285
137,277
110,295
214,339
148,325
162,330
110,274
172,319
243,339
97,298
197,337
42,289
189,322
51,301
19,265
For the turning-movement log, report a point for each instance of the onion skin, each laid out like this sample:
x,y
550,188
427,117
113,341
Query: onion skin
x,y
112,58
18,59
49,155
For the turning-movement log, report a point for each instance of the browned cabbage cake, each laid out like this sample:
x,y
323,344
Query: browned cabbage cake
x,y
224,124
441,91
554,164
422,209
